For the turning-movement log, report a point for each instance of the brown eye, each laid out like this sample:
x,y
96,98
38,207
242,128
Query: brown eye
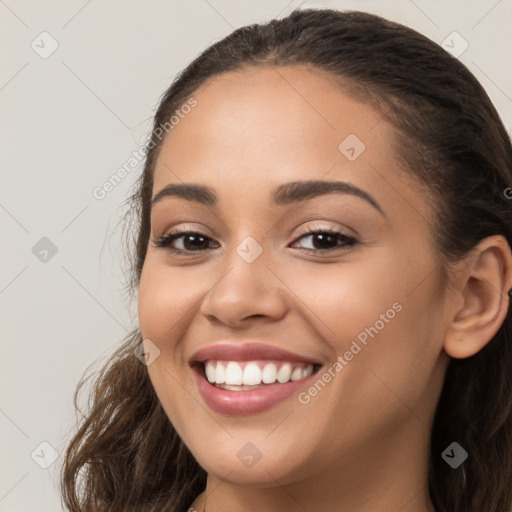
x,y
327,240
188,241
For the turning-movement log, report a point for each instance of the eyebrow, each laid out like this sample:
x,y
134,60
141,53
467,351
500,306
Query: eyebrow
x,y
284,194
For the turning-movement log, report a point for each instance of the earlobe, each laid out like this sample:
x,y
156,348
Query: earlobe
x,y
484,289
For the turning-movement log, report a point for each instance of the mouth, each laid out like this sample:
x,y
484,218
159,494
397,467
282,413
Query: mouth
x,y
270,383
235,379
253,375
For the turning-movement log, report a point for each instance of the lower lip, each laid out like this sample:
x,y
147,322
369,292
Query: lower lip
x,y
237,403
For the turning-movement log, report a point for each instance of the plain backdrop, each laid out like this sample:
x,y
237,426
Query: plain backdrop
x,y
79,82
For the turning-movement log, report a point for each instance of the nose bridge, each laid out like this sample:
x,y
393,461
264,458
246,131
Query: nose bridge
x,y
247,267
250,250
247,287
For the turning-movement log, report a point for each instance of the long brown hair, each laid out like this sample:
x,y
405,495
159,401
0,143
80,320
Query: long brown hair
x,y
126,455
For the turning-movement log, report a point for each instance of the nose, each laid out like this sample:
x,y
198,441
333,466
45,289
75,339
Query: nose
x,y
244,291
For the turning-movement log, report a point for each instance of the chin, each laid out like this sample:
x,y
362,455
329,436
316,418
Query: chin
x,y
259,463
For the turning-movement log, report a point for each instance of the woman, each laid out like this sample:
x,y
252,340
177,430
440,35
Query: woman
x,y
322,260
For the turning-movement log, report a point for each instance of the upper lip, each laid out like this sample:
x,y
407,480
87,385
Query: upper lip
x,y
248,352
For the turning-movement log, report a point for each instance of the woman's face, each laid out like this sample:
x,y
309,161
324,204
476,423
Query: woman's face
x,y
362,306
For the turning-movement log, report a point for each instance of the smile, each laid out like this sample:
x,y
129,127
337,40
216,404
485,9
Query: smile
x,y
240,379
242,376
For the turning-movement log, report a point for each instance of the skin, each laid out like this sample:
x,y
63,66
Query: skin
x,y
360,444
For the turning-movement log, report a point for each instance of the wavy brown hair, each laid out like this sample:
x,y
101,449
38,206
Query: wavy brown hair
x,y
125,455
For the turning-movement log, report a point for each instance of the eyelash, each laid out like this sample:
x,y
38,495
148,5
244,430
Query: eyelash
x,y
348,242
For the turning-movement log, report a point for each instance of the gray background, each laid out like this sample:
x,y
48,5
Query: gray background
x,y
68,122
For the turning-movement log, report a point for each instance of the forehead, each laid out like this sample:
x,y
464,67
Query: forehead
x,y
255,129
278,109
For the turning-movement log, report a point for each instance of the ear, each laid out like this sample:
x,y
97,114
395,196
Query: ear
x,y
483,290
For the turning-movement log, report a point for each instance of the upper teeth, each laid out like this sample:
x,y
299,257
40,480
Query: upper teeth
x,y
253,373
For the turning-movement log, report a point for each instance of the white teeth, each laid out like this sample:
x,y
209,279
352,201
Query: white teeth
x,y
236,388
233,374
269,373
284,373
296,374
252,374
307,371
244,375
210,372
220,374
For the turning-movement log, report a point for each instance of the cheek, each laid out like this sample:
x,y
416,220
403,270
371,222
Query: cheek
x,y
165,297
397,347
163,302
344,299
153,300
379,318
